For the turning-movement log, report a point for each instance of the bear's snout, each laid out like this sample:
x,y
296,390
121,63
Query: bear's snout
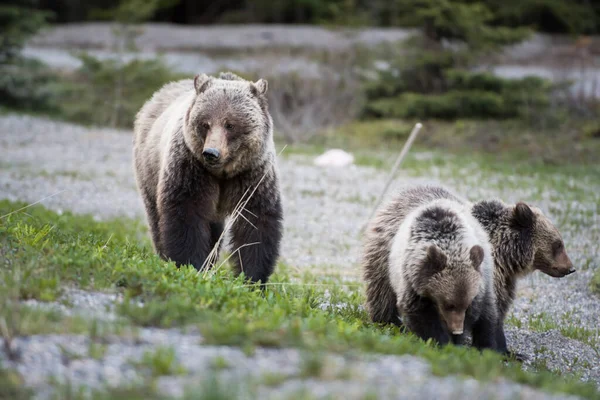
x,y
455,321
211,154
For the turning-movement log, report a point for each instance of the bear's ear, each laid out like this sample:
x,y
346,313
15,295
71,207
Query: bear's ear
x,y
201,83
435,260
260,87
523,216
476,255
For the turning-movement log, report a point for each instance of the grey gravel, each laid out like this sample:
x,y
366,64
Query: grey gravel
x,y
228,37
76,302
268,373
88,170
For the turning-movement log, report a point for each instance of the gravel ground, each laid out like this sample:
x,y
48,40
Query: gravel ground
x,y
349,377
324,210
221,37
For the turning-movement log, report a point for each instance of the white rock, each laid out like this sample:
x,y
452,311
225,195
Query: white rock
x,y
334,158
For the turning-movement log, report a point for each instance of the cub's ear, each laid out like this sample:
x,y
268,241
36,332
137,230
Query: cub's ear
x,y
201,83
435,260
260,87
523,216
476,255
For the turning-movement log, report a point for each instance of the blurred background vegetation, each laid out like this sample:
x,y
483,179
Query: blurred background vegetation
x,y
489,75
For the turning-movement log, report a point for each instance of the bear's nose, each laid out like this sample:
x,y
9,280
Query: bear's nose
x,y
211,154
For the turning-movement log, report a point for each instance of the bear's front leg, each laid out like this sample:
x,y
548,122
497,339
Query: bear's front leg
x,y
186,202
484,333
257,232
425,322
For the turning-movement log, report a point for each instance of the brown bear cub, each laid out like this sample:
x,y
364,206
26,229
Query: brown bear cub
x,y
439,266
523,240
204,151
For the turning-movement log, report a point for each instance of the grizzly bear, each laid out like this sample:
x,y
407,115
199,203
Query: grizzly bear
x,y
523,240
440,268
203,152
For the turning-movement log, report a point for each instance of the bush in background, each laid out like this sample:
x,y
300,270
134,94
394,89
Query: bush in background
x,y
23,82
433,78
109,92
464,95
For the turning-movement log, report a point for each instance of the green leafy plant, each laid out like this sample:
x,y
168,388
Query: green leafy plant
x,y
88,96
227,310
433,76
23,82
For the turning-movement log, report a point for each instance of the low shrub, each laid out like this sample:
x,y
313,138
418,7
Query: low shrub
x,y
109,92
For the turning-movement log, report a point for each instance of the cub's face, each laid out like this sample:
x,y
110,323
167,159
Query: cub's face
x,y
228,125
452,284
550,256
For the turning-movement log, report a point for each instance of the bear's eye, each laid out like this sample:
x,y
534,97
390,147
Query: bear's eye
x,y
557,247
228,126
450,307
205,125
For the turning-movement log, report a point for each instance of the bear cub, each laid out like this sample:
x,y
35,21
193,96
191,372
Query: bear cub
x,y
203,152
440,268
523,240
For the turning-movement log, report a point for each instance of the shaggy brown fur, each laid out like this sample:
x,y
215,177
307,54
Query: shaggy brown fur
x,y
200,146
379,233
523,240
436,268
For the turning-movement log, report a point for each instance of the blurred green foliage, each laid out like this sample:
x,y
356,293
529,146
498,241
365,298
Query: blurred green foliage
x,y
101,92
464,95
22,81
432,74
109,92
560,16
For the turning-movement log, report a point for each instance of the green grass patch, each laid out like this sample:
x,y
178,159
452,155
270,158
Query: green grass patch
x,y
568,326
161,361
553,144
38,246
12,386
595,282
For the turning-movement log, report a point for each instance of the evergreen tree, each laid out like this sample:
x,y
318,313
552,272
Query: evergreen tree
x,y
433,76
20,79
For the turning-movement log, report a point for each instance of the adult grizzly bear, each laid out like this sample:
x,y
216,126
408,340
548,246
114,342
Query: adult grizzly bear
x,y
201,148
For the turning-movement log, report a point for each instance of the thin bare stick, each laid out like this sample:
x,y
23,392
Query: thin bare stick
x,y
401,156
304,284
33,204
246,219
250,212
216,269
106,244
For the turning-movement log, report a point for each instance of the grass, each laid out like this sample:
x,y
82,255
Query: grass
x,y
568,326
595,282
161,361
562,143
12,386
42,252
